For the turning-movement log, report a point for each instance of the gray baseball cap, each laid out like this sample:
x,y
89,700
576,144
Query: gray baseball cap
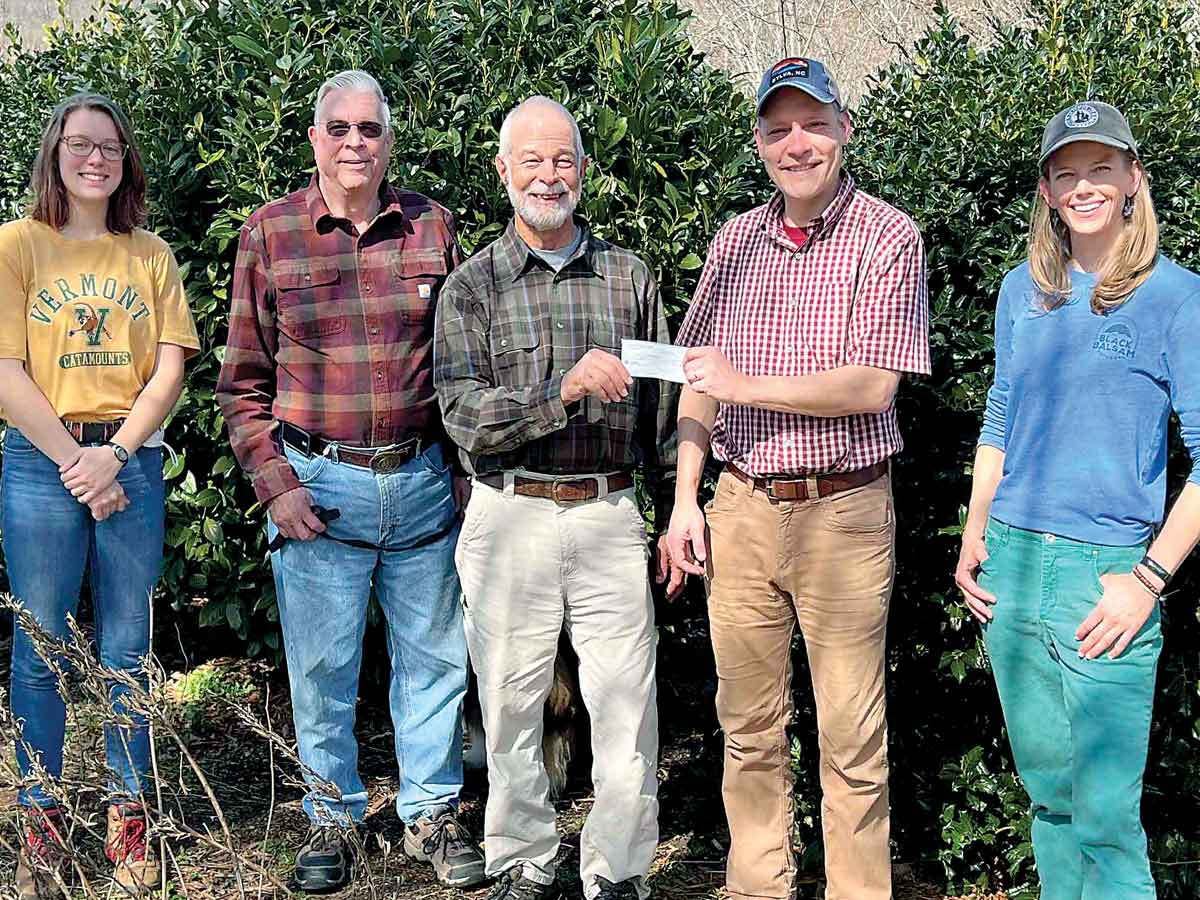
x,y
809,75
1090,120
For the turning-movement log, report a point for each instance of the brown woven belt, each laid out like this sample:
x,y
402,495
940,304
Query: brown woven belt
x,y
798,488
93,432
561,490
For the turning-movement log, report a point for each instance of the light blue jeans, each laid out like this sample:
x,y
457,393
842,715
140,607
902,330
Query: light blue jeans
x,y
50,542
1079,728
323,589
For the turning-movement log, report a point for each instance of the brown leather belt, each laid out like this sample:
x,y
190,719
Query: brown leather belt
x,y
798,488
93,432
560,490
381,461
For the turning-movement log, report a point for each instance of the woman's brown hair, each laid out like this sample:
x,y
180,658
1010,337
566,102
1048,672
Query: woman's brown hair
x,y
1129,263
126,206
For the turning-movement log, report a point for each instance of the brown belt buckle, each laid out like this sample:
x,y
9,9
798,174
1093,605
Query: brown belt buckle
x,y
564,501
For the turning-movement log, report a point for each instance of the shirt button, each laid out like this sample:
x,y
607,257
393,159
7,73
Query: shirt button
x,y
367,289
374,329
308,276
558,324
504,342
379,376
562,371
1050,539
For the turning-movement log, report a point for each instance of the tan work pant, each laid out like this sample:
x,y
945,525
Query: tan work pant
x,y
828,565
530,568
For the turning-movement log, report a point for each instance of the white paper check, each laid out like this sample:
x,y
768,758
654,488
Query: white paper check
x,y
647,359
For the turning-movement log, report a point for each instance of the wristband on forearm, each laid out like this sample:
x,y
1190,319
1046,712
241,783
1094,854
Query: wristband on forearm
x,y
1155,568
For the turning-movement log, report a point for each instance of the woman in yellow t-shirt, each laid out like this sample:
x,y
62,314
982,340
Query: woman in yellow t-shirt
x,y
94,331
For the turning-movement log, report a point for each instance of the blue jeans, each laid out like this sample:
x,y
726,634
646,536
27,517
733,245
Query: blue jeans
x,y
50,542
323,588
1079,728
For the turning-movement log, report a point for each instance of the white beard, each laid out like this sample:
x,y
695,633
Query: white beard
x,y
536,216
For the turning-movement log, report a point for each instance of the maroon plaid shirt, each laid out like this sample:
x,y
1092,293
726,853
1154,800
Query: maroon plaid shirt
x,y
853,295
332,330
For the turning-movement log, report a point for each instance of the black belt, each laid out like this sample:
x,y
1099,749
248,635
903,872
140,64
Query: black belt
x,y
93,432
380,460
561,490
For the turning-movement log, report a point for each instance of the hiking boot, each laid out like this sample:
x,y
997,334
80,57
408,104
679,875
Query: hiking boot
x,y
324,863
43,856
512,885
622,890
441,840
128,847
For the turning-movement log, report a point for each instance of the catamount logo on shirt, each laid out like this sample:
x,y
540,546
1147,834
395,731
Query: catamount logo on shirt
x,y
91,305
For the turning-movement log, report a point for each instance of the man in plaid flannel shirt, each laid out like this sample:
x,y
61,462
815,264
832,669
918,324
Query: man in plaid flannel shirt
x,y
327,389
551,426
808,310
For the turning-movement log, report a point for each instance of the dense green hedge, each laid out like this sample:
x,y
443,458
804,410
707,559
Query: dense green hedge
x,y
221,93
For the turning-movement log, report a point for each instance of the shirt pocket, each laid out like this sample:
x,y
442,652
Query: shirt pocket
x,y
417,278
307,302
518,354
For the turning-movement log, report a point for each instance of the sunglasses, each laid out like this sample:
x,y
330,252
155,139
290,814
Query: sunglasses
x,y
83,147
338,128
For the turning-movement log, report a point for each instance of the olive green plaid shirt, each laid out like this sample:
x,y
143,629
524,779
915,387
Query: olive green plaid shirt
x,y
509,328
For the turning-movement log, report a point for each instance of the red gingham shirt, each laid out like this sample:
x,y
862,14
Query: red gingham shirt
x,y
332,330
853,294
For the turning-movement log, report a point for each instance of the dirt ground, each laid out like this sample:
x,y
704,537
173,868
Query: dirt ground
x,y
239,765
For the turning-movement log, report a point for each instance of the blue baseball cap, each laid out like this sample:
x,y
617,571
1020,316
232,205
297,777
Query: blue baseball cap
x,y
809,75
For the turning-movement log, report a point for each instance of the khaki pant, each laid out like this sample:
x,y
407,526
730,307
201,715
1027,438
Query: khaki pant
x,y
530,568
828,565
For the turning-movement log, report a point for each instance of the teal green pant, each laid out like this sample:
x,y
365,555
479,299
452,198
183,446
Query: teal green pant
x,y
1079,728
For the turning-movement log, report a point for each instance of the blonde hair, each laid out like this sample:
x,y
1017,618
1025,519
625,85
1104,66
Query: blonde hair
x,y
1128,264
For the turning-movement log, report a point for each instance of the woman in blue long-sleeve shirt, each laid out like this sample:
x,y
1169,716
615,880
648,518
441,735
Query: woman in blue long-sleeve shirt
x,y
1095,346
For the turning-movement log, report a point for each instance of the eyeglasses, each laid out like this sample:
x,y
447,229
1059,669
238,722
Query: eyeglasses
x,y
83,147
338,128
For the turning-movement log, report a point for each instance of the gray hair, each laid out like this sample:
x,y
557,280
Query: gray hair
x,y
352,80
544,103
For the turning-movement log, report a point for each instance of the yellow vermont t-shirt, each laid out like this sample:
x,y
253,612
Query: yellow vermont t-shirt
x,y
86,317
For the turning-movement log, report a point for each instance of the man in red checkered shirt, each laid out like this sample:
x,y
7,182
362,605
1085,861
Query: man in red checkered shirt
x,y
327,389
808,311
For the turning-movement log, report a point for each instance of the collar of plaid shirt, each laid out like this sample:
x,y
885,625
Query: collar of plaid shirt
x,y
324,221
514,258
820,227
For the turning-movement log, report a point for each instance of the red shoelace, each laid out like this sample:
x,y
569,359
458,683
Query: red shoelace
x,y
133,838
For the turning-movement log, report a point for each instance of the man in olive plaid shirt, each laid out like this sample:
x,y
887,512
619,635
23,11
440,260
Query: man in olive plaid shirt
x,y
551,425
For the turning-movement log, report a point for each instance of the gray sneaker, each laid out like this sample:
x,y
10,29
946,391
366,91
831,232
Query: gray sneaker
x,y
441,840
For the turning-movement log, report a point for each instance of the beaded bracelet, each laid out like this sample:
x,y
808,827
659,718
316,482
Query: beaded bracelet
x,y
1155,592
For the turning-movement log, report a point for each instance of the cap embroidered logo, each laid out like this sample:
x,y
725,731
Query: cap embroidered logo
x,y
1082,115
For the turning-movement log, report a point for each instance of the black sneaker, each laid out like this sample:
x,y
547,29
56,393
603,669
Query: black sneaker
x,y
512,885
441,840
622,890
324,862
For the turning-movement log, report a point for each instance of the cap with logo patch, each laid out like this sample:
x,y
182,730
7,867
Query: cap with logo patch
x,y
1087,121
809,75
